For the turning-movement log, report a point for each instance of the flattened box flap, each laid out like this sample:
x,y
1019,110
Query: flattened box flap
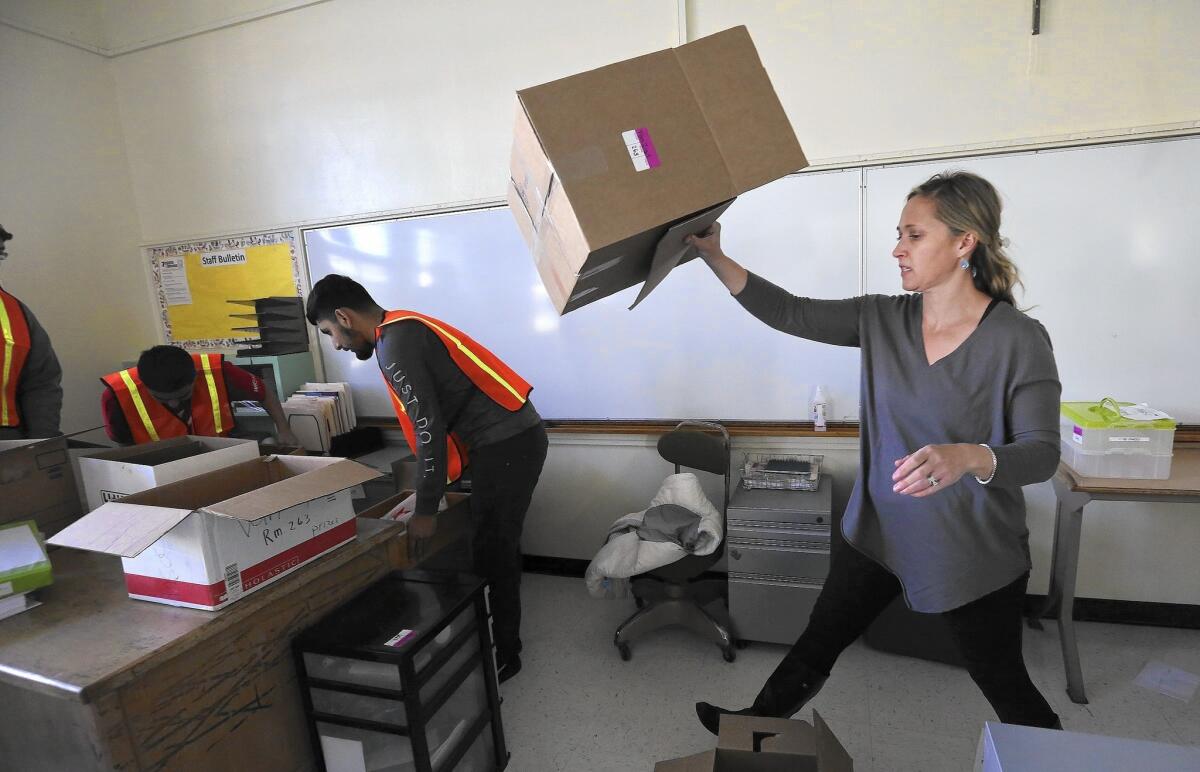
x,y
741,107
119,528
322,477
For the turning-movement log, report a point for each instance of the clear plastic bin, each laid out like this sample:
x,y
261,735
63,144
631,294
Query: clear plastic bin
x,y
382,675
381,752
481,757
1116,465
359,706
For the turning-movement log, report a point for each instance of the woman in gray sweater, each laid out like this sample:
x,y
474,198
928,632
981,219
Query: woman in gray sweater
x,y
960,399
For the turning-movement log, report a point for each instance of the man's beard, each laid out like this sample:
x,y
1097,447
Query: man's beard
x,y
365,352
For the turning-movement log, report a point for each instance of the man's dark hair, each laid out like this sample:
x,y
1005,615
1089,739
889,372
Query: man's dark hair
x,y
166,368
337,291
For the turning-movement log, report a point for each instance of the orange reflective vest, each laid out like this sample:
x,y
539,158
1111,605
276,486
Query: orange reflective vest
x,y
14,335
149,420
486,371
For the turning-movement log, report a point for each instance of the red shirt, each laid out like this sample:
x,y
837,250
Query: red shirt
x,y
242,386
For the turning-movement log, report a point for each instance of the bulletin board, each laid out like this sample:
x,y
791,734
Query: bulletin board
x,y
194,282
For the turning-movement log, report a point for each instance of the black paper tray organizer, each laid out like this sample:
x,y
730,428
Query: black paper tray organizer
x,y
279,324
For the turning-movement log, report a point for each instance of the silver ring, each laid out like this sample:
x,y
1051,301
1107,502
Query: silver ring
x,y
933,481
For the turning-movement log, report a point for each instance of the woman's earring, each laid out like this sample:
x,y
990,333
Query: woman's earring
x,y
964,264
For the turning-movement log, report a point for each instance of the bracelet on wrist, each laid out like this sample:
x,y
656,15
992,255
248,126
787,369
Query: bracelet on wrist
x,y
990,477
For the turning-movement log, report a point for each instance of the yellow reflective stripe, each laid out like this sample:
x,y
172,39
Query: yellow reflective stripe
x,y
483,366
141,407
10,349
212,391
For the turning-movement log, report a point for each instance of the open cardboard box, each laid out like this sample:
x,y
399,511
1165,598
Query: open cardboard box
x,y
111,475
206,541
37,483
755,744
605,162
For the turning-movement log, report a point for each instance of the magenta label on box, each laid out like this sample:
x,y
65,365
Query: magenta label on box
x,y
1078,434
641,149
643,135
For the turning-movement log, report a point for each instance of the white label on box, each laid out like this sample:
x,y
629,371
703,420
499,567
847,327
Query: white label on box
x,y
233,582
107,496
229,257
1128,439
5,588
398,640
1142,412
641,149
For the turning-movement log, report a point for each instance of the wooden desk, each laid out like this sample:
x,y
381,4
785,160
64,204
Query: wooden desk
x,y
1074,492
93,679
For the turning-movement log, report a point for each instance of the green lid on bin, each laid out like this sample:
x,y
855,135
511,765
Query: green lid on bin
x,y
1105,414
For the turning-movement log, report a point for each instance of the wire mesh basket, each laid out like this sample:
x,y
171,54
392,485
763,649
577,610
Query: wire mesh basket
x,y
784,472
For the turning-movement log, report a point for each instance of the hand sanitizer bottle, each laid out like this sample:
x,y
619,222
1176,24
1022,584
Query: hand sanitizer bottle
x,y
819,407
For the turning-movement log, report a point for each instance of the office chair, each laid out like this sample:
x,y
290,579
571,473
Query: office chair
x,y
673,594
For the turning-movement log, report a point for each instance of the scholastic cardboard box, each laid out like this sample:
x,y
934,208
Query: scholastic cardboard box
x,y
37,483
754,744
206,541
114,474
606,162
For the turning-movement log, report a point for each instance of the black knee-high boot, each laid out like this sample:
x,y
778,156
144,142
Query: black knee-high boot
x,y
787,690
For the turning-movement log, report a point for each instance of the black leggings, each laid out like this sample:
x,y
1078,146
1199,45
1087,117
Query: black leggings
x,y
986,631
503,477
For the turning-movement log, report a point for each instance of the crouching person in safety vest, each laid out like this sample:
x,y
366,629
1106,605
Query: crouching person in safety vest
x,y
457,403
172,393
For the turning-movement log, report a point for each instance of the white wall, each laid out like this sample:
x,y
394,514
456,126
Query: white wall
x,y
351,107
65,195
889,78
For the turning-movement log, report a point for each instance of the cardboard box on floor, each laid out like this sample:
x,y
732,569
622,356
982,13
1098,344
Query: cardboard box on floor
x,y
754,744
604,162
37,483
111,475
208,540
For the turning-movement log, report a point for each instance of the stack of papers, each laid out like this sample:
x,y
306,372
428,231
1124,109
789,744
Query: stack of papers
x,y
318,412
24,567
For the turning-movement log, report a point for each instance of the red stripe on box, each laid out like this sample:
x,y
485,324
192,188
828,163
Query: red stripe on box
x,y
212,594
173,589
277,564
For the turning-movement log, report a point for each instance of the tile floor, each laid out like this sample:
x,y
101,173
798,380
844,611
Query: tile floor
x,y
576,706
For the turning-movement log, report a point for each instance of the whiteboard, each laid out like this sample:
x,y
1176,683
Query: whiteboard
x,y
688,351
1107,240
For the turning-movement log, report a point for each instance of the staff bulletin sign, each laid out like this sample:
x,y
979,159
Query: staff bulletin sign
x,y
195,281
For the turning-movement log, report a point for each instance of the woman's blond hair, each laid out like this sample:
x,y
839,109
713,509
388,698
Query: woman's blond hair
x,y
967,203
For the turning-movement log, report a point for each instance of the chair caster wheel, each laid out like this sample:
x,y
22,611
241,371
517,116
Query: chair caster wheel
x,y
623,650
741,644
729,653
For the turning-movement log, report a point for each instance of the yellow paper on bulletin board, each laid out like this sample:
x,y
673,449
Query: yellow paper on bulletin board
x,y
213,279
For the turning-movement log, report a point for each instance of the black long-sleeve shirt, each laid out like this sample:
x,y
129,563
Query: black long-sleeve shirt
x,y
439,399
39,391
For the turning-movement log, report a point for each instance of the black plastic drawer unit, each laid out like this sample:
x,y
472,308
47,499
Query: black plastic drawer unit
x,y
402,679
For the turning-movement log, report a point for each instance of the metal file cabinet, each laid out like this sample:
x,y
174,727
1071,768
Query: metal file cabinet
x,y
777,549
